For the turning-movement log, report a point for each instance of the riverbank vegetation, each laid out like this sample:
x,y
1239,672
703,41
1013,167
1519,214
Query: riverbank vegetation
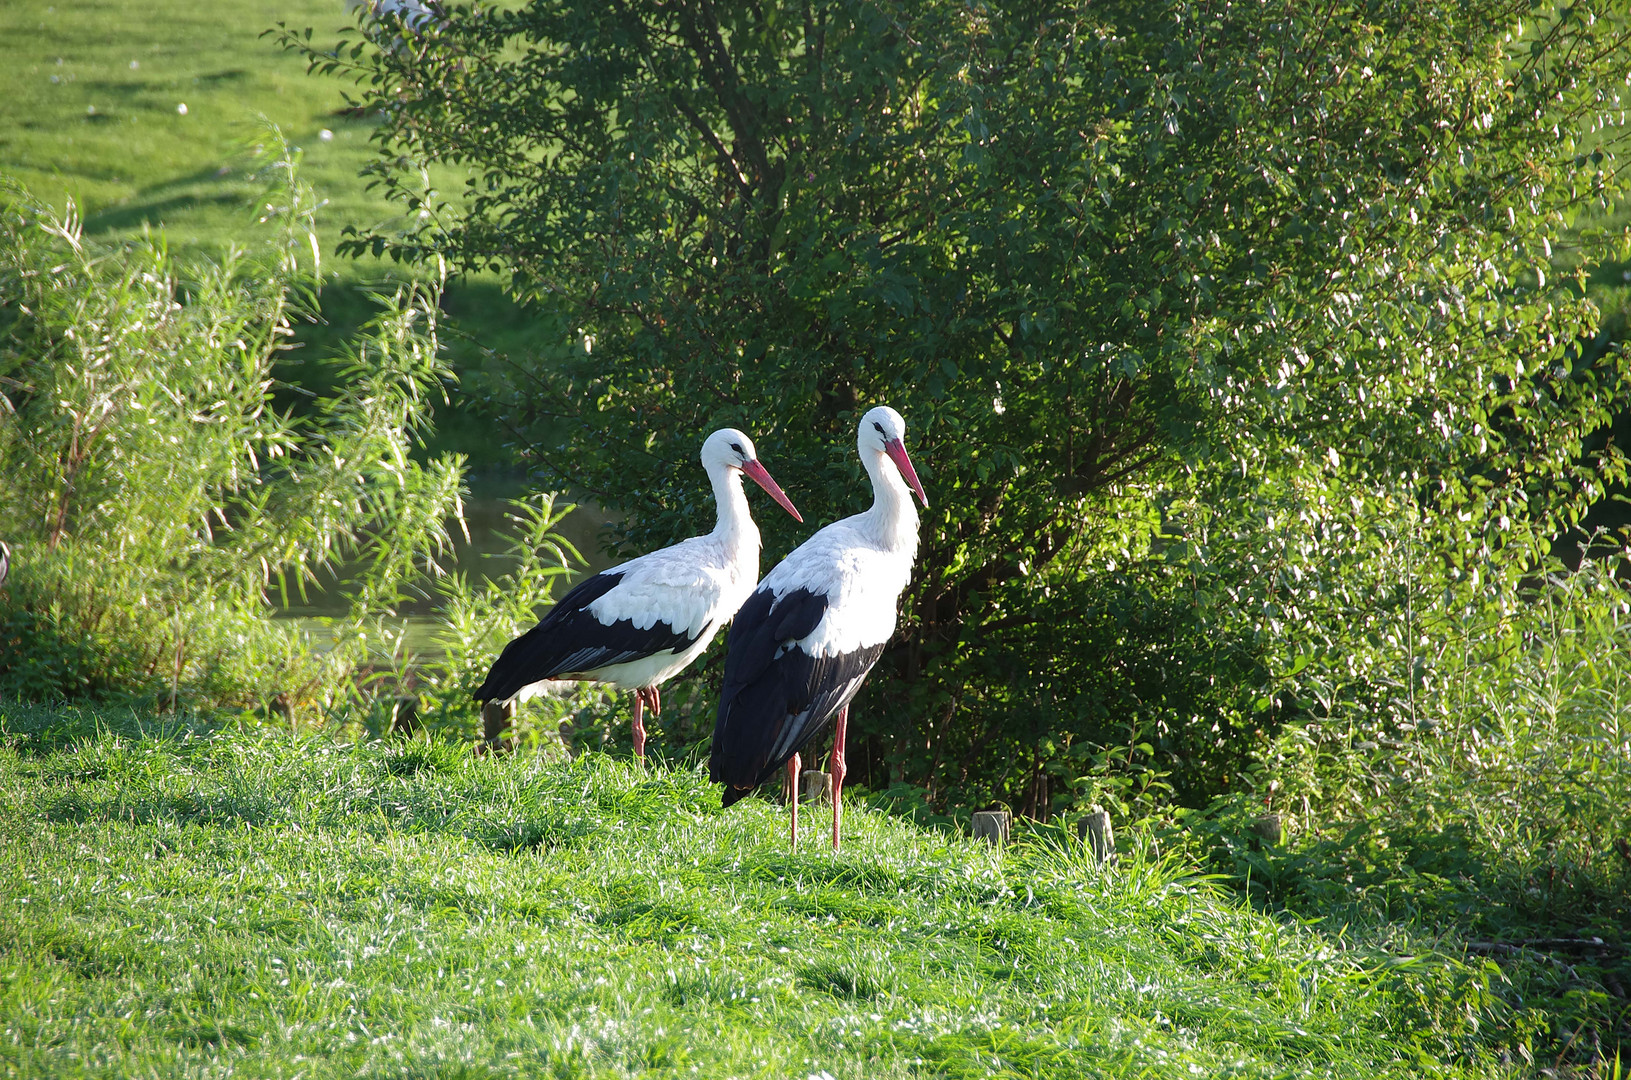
x,y
1232,413
159,502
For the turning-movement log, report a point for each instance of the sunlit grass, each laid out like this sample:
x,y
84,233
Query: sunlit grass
x,y
94,97
184,899
93,93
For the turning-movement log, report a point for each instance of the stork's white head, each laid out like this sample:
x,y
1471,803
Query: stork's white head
x,y
729,448
883,432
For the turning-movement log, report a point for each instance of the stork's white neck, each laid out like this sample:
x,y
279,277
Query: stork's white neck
x,y
893,518
735,528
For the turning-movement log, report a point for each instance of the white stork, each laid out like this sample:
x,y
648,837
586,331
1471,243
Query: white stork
x,y
804,641
638,624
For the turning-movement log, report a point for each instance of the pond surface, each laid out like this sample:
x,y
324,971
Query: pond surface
x,y
485,554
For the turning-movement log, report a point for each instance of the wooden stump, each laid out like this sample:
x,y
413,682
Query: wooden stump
x,y
816,788
1095,830
282,708
405,717
496,719
992,826
1271,827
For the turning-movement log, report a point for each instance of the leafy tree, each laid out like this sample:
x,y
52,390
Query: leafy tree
x,y
1206,317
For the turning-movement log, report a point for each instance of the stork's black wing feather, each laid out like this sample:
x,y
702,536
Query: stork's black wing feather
x,y
776,696
568,640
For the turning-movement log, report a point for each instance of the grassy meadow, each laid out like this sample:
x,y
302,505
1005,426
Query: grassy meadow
x,y
201,899
142,114
148,116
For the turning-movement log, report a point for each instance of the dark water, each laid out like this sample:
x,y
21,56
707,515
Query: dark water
x,y
484,554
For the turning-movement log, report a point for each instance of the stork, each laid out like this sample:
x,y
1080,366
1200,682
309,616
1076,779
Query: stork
x,y
640,623
804,641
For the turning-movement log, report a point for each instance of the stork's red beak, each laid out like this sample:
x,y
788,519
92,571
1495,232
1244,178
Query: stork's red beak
x,y
756,472
897,453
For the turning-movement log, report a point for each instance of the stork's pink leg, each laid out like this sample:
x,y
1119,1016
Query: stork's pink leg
x,y
838,772
656,700
793,786
639,724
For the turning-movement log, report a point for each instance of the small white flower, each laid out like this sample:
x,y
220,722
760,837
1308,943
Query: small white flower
x,y
181,109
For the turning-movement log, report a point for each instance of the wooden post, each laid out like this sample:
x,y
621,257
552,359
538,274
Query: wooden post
x,y
405,717
496,718
817,788
992,826
281,707
1096,831
1270,827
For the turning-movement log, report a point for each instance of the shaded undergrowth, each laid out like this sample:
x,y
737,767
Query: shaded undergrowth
x,y
1489,819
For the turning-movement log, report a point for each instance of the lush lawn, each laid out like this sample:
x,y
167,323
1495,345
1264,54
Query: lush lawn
x,y
93,91
194,900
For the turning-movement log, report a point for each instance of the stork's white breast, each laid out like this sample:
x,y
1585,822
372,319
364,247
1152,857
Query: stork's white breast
x,y
861,580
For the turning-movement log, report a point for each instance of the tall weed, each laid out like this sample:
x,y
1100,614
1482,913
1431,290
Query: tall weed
x,y
154,497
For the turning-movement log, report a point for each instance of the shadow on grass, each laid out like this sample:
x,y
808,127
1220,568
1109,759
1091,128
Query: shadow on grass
x,y
41,731
152,211
186,809
1549,922
224,185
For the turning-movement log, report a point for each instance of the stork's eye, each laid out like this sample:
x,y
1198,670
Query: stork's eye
x,y
878,426
738,448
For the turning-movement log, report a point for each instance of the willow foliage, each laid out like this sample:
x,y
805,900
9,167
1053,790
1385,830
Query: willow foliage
x,y
155,499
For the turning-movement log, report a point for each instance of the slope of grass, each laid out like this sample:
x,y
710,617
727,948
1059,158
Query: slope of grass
x,y
95,92
194,900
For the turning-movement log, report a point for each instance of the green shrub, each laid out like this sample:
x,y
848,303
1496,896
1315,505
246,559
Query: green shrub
x,y
155,499
1194,358
1494,810
476,618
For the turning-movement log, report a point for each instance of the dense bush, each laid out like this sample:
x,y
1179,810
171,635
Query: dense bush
x,y
155,500
1224,331
1499,817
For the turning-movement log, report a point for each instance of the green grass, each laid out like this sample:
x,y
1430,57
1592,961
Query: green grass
x,y
92,90
189,900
